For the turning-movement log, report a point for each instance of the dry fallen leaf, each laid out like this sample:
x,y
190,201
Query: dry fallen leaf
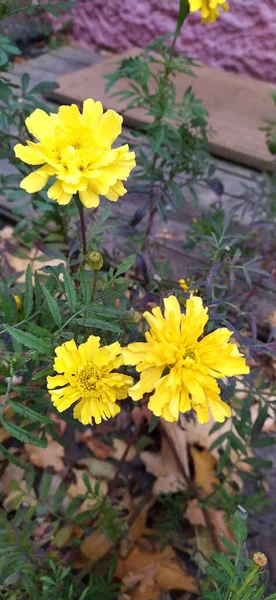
x,y
15,498
97,447
47,457
204,468
217,517
11,473
119,449
168,574
94,547
163,465
100,469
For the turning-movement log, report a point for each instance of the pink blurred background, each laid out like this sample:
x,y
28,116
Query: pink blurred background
x,y
243,40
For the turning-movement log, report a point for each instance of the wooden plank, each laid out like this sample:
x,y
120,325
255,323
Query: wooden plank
x,y
237,105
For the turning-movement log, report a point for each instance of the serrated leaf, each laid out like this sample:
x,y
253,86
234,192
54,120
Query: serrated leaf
x,y
12,459
22,435
85,282
45,485
125,265
29,340
29,412
53,306
69,290
7,302
98,324
28,294
225,563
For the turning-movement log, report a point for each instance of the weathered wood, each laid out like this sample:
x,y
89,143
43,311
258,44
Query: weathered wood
x,y
237,105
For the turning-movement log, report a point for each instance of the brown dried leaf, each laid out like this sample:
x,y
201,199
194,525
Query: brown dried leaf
x,y
47,457
119,448
100,469
163,465
11,473
204,467
16,497
167,573
98,448
95,546
79,487
217,517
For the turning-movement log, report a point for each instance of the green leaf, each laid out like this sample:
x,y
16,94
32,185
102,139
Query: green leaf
x,y
98,324
225,563
125,265
263,442
69,290
85,282
183,12
12,459
8,305
53,306
45,485
28,294
29,412
239,526
38,295
42,374
22,435
29,340
25,80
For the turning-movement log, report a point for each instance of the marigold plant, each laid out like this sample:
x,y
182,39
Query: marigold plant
x,y
180,366
76,149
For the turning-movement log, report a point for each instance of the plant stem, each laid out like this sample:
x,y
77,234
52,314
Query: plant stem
x,y
82,225
94,283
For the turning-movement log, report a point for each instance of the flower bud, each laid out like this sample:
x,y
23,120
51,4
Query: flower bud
x,y
18,302
260,559
132,316
95,260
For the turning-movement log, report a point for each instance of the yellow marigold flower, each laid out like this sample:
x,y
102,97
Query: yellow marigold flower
x,y
18,302
76,149
209,9
184,285
180,368
86,374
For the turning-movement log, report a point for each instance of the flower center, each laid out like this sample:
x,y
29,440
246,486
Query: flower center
x,y
87,379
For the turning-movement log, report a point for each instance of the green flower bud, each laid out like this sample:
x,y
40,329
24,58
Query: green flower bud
x,y
132,316
260,559
95,260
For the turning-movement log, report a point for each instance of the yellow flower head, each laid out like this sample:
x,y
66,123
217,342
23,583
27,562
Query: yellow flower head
x,y
209,9
86,374
76,149
180,368
184,284
18,302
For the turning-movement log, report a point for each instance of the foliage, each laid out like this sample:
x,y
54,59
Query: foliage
x,y
65,294
174,141
238,578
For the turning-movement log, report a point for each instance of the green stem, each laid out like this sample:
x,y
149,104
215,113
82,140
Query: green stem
x,y
94,283
82,225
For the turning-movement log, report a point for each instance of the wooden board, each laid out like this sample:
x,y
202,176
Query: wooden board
x,y
237,105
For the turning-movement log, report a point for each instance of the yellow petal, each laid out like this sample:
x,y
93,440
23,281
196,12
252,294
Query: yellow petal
x,y
35,181
109,127
28,155
115,191
89,199
92,112
40,125
172,309
219,409
146,382
56,192
55,381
